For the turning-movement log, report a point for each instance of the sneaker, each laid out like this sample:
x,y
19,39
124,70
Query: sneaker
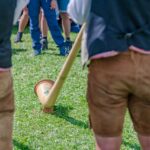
x,y
44,44
36,52
18,37
68,44
63,50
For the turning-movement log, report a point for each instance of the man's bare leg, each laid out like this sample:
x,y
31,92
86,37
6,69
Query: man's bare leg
x,y
108,143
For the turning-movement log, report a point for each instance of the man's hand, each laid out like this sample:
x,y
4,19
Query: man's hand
x,y
53,4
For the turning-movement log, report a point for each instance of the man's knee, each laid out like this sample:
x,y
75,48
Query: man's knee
x,y
108,143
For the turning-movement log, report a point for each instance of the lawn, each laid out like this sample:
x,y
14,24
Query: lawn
x,y
67,128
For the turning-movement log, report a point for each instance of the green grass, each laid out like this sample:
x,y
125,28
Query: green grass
x,y
67,128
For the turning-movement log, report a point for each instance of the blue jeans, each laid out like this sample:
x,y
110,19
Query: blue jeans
x,y
50,15
62,5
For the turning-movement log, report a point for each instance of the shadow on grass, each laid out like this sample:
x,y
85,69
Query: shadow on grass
x,y
57,54
132,145
62,112
49,51
15,51
20,145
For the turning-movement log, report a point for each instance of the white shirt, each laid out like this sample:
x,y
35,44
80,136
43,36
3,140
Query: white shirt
x,y
20,5
79,10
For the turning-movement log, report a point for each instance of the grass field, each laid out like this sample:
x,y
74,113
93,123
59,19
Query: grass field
x,y
67,128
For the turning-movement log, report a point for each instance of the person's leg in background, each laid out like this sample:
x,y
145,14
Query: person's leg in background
x,y
23,21
34,10
66,23
44,30
51,18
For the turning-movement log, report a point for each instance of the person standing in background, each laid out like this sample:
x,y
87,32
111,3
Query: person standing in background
x,y
48,7
23,21
66,23
7,8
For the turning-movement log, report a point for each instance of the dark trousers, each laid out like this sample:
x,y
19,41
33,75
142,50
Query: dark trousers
x,y
7,8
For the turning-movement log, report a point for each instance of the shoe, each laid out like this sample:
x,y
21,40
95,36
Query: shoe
x,y
63,50
18,37
68,45
44,44
36,52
